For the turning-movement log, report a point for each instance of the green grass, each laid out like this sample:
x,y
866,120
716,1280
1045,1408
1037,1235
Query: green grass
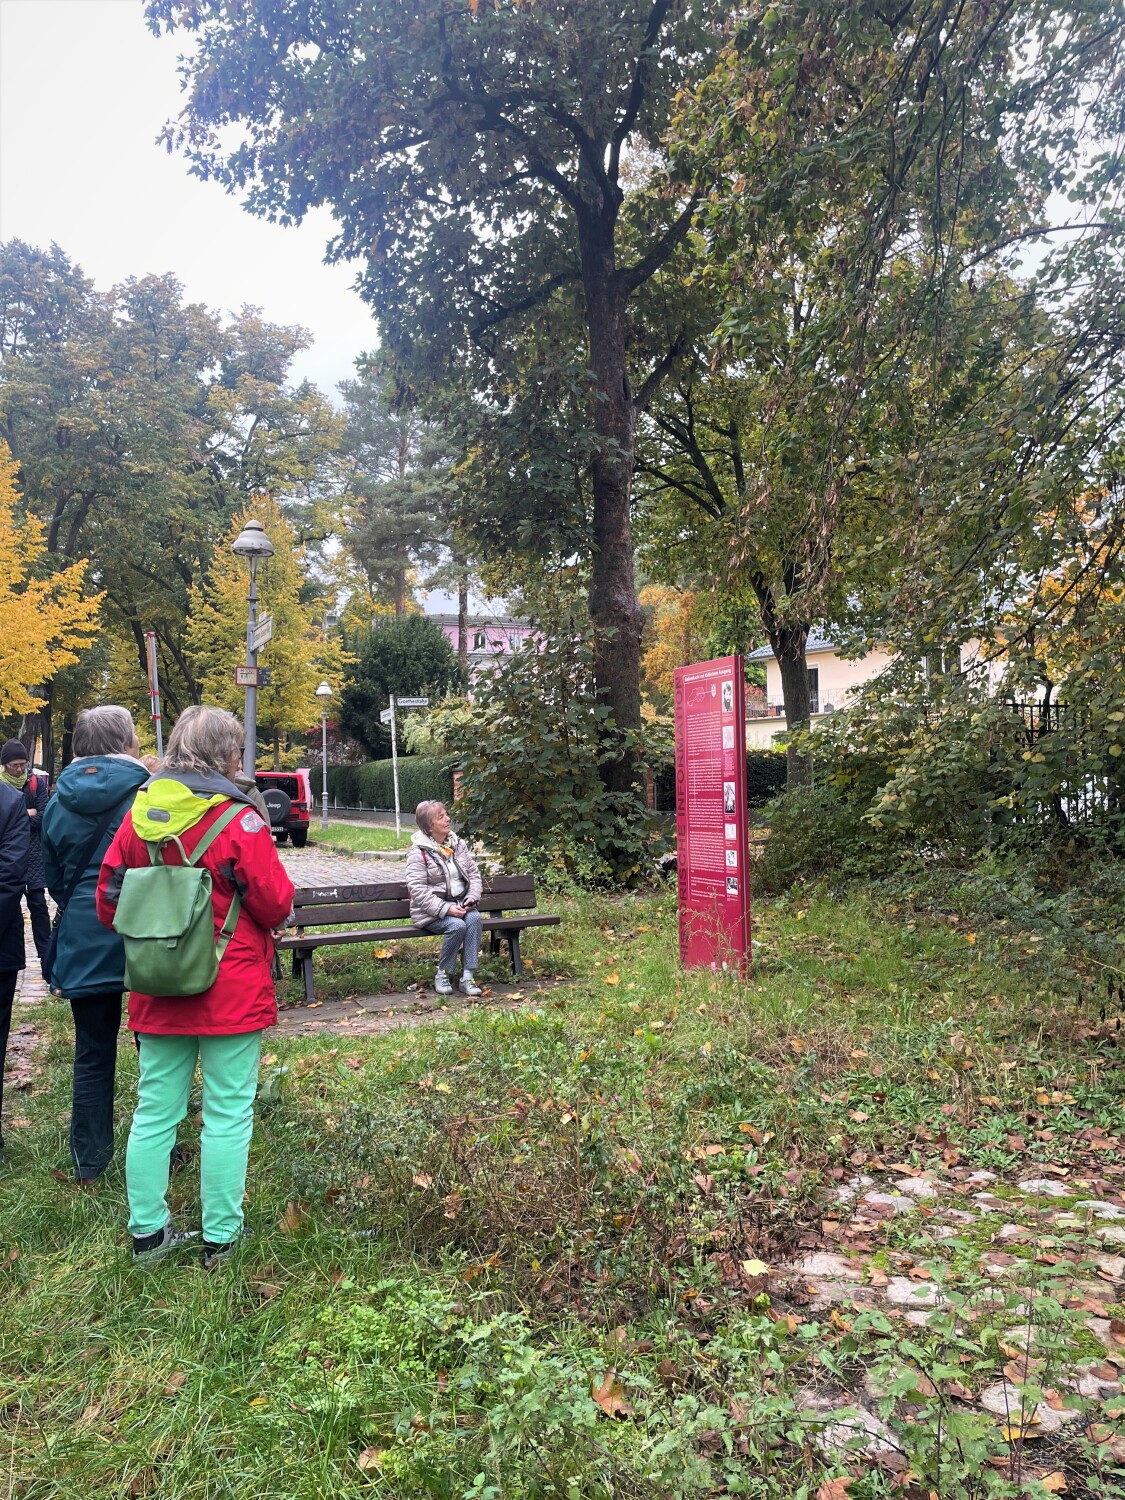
x,y
484,1217
357,836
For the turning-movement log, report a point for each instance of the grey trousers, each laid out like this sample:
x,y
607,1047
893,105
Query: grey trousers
x,y
455,933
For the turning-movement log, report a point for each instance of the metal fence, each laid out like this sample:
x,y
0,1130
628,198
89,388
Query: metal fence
x,y
1091,793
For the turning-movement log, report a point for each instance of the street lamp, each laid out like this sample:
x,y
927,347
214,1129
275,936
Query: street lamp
x,y
324,692
253,544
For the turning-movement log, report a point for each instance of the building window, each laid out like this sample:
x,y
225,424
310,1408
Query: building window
x,y
944,663
513,641
814,690
479,640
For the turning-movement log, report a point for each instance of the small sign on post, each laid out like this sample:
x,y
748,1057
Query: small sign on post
x,y
412,703
253,676
385,716
263,633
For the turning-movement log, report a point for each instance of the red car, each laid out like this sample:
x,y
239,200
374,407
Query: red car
x,y
288,795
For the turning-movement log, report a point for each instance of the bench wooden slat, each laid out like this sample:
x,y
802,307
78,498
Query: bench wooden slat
x,y
383,934
387,911
344,915
396,890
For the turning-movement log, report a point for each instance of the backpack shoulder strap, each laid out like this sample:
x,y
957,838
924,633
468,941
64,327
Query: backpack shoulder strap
x,y
224,820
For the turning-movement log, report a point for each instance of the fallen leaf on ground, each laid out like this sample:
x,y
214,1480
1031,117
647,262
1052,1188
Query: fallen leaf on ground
x,y
610,1396
381,953
1054,1483
293,1217
422,1180
1014,1432
835,1489
174,1382
370,1458
1019,1371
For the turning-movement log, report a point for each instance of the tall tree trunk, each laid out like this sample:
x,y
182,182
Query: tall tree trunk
x,y
67,741
614,611
400,592
29,735
788,644
47,693
276,751
463,620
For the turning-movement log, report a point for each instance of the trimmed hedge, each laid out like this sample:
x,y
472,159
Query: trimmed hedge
x,y
420,777
765,779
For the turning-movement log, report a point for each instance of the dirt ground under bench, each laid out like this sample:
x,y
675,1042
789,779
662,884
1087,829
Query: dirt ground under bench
x,y
363,1014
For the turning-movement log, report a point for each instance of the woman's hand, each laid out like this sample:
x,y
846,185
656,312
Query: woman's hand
x,y
457,911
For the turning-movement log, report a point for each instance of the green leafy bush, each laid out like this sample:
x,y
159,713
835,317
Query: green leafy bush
x,y
531,756
765,779
816,834
420,778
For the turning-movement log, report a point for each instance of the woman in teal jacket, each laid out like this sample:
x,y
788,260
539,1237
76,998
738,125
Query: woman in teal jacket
x,y
92,796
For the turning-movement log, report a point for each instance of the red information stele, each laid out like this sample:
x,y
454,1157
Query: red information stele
x,y
712,836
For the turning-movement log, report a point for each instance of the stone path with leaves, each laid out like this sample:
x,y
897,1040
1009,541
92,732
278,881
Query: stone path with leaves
x,y
321,866
951,1271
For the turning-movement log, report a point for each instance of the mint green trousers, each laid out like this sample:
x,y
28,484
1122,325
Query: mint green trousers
x,y
230,1081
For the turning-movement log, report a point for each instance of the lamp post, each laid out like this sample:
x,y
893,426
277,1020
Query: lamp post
x,y
253,544
324,692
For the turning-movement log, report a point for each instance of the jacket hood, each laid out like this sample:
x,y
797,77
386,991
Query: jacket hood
x,y
95,783
174,801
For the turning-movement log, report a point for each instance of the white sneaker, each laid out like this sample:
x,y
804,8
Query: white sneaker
x,y
468,985
442,984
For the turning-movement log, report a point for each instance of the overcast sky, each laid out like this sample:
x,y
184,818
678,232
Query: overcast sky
x,y
84,90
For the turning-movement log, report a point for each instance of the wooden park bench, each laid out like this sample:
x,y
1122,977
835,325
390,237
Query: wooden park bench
x,y
506,905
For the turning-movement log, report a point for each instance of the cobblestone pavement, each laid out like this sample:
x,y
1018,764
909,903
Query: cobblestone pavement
x,y
32,987
981,1249
323,867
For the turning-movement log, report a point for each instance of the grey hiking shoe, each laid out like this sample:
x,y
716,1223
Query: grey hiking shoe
x,y
215,1255
468,985
442,984
152,1247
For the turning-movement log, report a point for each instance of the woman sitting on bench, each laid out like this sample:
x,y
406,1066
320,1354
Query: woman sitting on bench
x,y
445,886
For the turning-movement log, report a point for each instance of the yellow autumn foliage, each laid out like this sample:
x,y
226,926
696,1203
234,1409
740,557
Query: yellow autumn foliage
x,y
673,638
300,653
45,622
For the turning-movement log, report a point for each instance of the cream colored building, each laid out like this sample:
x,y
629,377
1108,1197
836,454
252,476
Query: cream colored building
x,y
833,681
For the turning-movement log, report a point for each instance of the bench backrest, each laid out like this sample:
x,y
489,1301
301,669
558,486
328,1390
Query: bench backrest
x,y
389,900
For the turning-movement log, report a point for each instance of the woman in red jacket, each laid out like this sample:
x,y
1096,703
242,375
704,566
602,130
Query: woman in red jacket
x,y
223,1026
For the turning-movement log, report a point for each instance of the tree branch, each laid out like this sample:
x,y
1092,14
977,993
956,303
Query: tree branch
x,y
657,16
637,274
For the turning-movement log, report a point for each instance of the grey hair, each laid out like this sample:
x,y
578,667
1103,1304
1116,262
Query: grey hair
x,y
424,813
204,739
107,729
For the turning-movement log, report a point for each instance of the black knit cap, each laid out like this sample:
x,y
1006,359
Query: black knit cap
x,y
13,750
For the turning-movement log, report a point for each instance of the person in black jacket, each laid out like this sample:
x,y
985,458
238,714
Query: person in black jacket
x,y
15,844
33,788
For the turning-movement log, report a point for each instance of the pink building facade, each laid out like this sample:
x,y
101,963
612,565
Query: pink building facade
x,y
489,638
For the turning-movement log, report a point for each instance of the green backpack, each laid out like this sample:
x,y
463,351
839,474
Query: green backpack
x,y
164,917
